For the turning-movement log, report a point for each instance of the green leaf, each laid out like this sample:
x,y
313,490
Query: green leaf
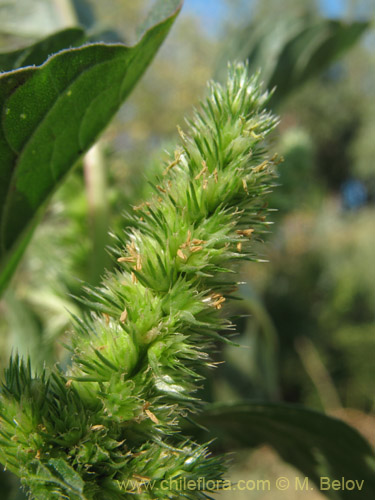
x,y
67,473
290,51
311,51
56,476
316,444
51,115
39,52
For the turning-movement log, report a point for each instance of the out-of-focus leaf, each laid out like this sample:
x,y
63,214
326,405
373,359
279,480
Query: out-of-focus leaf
x,y
316,444
161,9
51,115
11,486
84,11
291,51
39,52
311,51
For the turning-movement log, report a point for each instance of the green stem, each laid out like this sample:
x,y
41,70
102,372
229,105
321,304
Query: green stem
x,y
97,196
318,373
66,12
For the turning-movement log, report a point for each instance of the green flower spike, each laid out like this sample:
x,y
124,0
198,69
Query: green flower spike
x,y
109,428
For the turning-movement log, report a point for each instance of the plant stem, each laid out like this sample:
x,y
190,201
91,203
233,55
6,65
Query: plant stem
x,y
97,195
67,12
318,373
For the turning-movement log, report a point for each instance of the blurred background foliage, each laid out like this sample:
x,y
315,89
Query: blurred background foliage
x,y
306,324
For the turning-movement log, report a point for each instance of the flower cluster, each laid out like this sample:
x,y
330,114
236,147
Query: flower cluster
x,y
114,415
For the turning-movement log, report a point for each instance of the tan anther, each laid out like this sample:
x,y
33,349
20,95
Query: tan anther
x,y
177,157
139,263
171,165
37,454
187,243
195,249
68,383
161,189
245,232
276,159
239,246
205,184
126,259
132,249
102,347
218,303
260,167
203,171
134,278
198,242
245,185
98,427
106,317
216,175
151,416
124,316
181,254
218,300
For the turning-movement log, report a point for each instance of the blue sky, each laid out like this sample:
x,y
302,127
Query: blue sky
x,y
211,11
332,8
214,10
204,7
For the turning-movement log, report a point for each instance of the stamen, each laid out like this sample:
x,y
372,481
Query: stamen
x,y
124,315
203,171
245,232
151,416
181,254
